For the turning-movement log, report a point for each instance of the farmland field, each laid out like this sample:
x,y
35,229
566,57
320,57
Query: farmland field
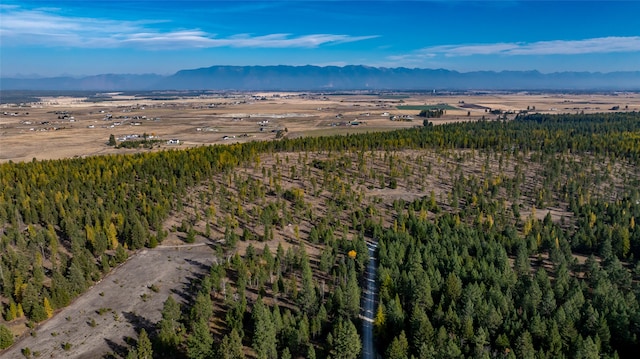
x,y
440,106
74,125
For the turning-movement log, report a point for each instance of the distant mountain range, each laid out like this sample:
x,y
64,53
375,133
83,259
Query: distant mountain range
x,y
333,78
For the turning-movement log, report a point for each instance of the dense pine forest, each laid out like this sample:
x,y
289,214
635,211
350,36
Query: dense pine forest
x,y
494,239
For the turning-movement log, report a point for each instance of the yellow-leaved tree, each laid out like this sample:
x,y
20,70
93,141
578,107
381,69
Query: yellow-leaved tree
x,y
47,308
112,236
380,320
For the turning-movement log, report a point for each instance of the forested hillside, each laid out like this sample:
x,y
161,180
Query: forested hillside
x,y
495,239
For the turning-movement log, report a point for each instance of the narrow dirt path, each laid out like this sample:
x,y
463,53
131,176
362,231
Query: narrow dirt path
x,y
368,305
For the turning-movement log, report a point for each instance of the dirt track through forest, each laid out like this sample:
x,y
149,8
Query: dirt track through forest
x,y
368,305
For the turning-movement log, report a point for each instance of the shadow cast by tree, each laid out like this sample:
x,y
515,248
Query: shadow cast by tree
x,y
118,350
139,322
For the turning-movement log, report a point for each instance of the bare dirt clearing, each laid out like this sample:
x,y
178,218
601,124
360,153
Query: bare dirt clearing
x,y
116,308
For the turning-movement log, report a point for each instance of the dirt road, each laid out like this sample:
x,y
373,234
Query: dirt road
x,y
368,305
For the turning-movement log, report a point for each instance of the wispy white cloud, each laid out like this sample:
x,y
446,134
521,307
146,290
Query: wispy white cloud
x,y
587,46
200,39
600,45
46,27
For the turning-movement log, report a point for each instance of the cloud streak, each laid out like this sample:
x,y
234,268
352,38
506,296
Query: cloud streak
x,y
45,27
600,45
200,39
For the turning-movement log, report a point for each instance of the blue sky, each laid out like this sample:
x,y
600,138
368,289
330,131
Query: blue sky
x,y
51,38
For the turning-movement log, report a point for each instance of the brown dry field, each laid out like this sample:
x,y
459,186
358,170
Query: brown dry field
x,y
35,130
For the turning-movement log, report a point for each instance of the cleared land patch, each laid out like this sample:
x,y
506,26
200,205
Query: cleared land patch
x,y
130,298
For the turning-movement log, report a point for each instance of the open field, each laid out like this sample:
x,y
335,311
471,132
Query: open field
x,y
63,127
427,107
